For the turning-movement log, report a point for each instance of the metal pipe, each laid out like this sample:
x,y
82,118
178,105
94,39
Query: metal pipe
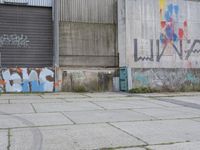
x,y
56,32
56,20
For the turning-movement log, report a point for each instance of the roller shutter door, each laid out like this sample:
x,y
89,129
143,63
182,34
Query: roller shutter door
x,y
26,36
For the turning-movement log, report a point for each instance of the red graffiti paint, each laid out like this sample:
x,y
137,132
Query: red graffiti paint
x,y
185,24
181,33
163,24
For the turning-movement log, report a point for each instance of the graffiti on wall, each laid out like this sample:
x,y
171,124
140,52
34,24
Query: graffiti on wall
x,y
166,79
20,41
27,80
173,42
171,31
184,54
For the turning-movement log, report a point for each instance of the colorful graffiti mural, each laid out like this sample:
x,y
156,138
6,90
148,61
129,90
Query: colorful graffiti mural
x,y
170,29
172,43
27,80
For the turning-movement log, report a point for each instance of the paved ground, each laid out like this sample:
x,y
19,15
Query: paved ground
x,y
68,121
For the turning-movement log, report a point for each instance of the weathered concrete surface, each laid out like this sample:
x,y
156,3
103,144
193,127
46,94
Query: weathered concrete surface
x,y
28,101
131,149
127,104
167,79
100,120
31,120
15,108
3,139
197,119
82,80
62,96
162,132
179,146
88,45
194,99
167,113
106,116
75,137
4,101
70,106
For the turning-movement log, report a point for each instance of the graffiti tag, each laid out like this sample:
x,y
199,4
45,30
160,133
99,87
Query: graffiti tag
x,y
20,41
27,80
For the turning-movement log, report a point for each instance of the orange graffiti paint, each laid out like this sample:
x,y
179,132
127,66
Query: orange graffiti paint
x,y
2,82
56,84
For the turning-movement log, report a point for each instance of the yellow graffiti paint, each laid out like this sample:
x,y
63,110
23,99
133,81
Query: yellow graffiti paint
x,y
162,4
162,7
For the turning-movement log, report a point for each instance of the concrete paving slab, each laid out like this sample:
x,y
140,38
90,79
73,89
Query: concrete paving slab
x,y
106,95
189,99
63,96
3,140
169,94
187,109
160,132
74,137
62,93
166,113
136,148
178,146
88,99
163,103
29,101
59,107
31,120
182,103
15,109
198,119
101,116
3,98
22,97
133,98
3,101
105,99
127,104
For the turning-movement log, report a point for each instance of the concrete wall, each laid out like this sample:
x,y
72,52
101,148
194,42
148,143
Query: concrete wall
x,y
88,33
82,80
175,79
88,45
162,38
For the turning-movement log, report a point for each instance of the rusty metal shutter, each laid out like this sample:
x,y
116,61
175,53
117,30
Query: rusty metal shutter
x,y
26,36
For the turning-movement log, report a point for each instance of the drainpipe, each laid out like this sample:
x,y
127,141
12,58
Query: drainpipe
x,y
56,10
56,32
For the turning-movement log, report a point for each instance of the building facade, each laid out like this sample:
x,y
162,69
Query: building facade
x,y
80,45
58,45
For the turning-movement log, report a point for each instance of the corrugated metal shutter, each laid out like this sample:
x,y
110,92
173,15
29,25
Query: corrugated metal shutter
x,y
26,36
42,3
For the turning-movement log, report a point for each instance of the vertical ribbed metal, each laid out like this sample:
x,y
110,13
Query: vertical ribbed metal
x,y
43,3
26,38
91,11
